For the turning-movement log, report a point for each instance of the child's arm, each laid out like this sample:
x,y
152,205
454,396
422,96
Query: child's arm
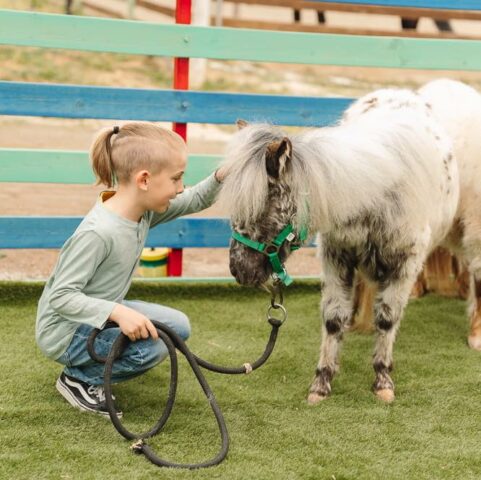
x,y
191,200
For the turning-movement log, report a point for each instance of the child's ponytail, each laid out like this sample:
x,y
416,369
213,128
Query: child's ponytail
x,y
101,157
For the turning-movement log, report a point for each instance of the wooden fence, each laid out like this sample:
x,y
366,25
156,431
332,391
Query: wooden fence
x,y
122,36
409,11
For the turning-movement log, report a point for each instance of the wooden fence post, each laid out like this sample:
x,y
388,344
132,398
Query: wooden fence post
x,y
198,66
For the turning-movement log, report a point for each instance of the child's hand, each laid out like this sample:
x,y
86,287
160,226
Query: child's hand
x,y
133,324
220,174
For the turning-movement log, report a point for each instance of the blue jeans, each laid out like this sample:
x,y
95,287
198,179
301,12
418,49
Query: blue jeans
x,y
136,359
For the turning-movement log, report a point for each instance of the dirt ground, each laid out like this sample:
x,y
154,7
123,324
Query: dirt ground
x,y
46,199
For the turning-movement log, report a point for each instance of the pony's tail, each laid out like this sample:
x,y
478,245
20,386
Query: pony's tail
x,y
101,158
442,274
445,274
364,294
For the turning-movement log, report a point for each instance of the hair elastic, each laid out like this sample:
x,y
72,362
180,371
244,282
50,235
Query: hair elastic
x,y
116,129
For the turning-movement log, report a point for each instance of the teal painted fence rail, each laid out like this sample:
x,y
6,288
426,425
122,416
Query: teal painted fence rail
x,y
123,36
73,167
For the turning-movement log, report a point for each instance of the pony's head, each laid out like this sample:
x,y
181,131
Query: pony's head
x,y
262,201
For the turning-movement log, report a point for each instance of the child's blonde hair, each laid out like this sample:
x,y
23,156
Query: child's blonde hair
x,y
119,151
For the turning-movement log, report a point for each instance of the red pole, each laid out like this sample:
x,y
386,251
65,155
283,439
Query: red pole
x,y
181,65
181,82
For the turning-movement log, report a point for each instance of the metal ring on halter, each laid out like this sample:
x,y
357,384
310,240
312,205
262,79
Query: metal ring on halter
x,y
271,248
277,306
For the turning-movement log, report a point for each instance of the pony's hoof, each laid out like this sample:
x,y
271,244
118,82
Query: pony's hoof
x,y
315,398
386,395
474,342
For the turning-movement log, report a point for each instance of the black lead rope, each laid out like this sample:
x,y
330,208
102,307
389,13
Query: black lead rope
x,y
173,341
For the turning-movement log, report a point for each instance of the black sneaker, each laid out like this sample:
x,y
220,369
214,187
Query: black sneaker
x,y
89,398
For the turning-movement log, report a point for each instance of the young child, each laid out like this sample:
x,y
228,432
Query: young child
x,y
95,266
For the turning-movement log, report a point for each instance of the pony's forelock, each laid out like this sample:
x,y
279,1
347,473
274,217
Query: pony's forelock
x,y
243,198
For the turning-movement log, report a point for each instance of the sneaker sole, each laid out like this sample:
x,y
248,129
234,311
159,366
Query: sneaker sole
x,y
65,392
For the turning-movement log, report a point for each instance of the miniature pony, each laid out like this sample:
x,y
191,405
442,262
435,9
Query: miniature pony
x,y
381,188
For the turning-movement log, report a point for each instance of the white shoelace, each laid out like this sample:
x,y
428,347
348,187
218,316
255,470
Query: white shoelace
x,y
98,391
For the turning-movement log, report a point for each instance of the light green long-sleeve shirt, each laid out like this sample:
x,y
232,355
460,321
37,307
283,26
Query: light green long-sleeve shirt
x,y
96,264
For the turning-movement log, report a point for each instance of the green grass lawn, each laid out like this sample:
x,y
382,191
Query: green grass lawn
x,y
432,431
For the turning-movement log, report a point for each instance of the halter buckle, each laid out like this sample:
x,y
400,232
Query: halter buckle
x,y
282,277
276,276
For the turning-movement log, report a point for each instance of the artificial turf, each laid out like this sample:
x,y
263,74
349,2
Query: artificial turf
x,y
431,431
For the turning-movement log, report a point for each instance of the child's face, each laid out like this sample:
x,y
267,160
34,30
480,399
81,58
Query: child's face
x,y
167,184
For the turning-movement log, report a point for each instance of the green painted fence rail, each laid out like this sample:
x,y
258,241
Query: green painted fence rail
x,y
123,36
72,167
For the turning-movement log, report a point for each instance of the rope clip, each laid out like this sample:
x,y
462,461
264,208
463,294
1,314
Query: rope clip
x,y
137,446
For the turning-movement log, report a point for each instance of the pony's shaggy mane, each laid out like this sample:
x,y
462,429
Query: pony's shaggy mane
x,y
244,199
334,173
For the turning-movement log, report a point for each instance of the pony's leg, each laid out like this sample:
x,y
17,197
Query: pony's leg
x,y
420,285
337,310
474,339
462,277
472,255
388,310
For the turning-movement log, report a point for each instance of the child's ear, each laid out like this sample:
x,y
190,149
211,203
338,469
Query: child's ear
x,y
142,180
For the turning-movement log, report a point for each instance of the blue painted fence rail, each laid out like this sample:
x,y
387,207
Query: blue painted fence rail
x,y
20,232
445,4
74,101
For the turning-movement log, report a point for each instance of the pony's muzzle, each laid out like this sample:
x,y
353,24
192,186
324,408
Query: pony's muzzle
x,y
248,267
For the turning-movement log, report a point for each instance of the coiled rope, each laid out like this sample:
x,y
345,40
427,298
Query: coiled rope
x,y
173,341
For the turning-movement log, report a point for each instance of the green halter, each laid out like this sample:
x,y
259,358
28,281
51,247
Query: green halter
x,y
271,250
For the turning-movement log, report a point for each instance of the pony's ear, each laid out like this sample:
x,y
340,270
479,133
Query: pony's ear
x,y
241,124
278,157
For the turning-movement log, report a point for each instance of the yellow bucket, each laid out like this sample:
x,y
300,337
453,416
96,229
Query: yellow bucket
x,y
153,262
